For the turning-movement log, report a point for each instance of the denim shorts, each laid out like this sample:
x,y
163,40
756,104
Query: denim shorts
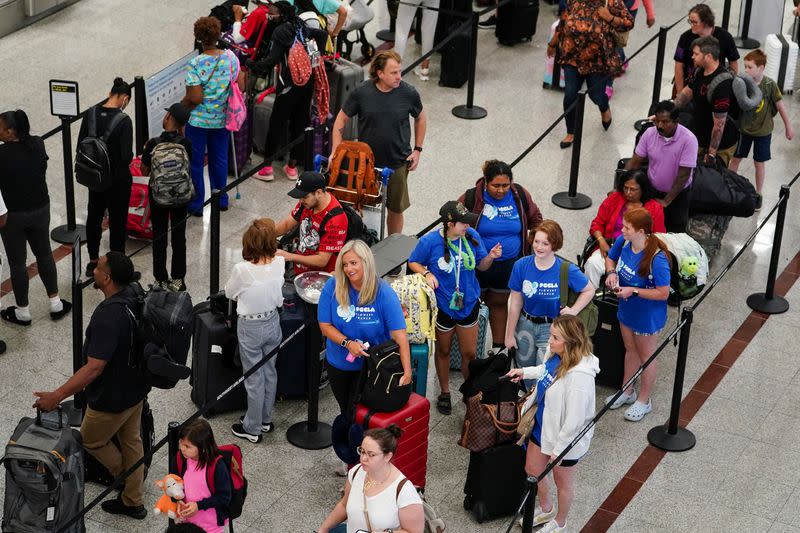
x,y
761,151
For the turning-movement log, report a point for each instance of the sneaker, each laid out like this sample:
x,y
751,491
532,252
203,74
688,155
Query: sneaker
x,y
553,527
265,428
265,174
238,430
163,285
540,517
116,506
759,201
422,73
488,23
90,266
638,410
176,285
291,172
624,399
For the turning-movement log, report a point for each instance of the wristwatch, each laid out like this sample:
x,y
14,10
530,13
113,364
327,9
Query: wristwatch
x,y
344,342
635,292
418,149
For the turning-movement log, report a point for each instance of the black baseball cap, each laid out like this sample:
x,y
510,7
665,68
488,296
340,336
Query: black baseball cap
x,y
454,211
307,183
180,112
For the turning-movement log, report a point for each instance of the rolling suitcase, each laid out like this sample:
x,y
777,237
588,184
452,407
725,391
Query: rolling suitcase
x,y
448,17
607,341
419,368
343,77
455,350
291,362
495,481
455,60
213,367
261,115
516,21
782,68
411,456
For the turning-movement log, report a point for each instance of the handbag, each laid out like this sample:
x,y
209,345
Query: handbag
x,y
527,416
236,112
380,379
487,425
620,37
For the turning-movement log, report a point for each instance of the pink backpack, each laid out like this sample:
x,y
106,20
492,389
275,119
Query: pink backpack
x,y
236,112
139,225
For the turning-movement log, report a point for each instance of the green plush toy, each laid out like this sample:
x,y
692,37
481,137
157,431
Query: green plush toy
x,y
689,266
687,282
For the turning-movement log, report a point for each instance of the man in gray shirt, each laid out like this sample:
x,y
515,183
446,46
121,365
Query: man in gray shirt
x,y
383,105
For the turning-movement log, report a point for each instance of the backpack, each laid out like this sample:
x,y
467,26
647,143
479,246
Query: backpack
x,y
433,524
352,178
746,92
419,306
356,229
231,455
469,199
379,381
170,176
589,315
92,162
298,60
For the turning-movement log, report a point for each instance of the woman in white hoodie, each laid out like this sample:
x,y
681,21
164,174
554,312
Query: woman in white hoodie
x,y
565,403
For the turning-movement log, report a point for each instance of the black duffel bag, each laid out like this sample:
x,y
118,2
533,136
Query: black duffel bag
x,y
380,379
716,190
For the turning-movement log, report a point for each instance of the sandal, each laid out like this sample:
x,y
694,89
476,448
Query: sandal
x,y
65,308
9,315
443,404
638,410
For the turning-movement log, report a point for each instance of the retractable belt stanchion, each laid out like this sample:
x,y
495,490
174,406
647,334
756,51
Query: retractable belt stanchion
x,y
745,41
470,111
308,148
658,73
388,35
768,302
572,199
726,15
140,112
214,243
172,451
530,504
66,234
74,408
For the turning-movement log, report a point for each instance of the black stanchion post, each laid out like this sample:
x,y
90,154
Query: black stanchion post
x,y
140,112
172,450
470,111
768,302
388,35
726,15
214,243
65,234
308,144
74,408
658,74
745,41
530,505
671,437
572,199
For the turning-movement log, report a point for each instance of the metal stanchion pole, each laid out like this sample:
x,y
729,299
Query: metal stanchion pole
x,y
726,15
140,112
214,243
65,234
572,199
671,437
768,302
657,76
388,35
74,408
745,41
530,505
308,144
172,450
471,111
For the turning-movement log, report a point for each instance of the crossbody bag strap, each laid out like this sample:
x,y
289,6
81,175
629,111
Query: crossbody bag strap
x,y
563,283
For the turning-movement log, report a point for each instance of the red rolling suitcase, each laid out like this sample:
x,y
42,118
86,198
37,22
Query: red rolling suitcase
x,y
411,457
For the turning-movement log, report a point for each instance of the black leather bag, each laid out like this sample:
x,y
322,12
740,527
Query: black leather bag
x,y
716,190
484,377
380,379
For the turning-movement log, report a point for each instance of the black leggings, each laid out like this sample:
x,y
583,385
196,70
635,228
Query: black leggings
x,y
116,200
291,112
344,385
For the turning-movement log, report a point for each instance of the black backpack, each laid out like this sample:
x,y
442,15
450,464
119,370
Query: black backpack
x,y
379,381
356,229
92,162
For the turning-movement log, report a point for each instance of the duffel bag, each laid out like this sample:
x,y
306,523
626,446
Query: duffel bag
x,y
716,190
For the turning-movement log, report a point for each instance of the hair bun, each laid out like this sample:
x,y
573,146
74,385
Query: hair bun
x,y
395,430
119,82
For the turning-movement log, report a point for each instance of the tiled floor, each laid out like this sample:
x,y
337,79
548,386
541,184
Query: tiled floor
x,y
742,375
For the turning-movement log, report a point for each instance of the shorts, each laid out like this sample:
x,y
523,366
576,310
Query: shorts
x,y
445,322
761,151
397,199
496,277
564,462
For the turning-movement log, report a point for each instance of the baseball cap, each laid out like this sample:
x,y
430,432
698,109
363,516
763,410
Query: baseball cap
x,y
308,182
454,211
180,112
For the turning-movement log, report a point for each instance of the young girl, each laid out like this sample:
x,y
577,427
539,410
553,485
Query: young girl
x,y
200,507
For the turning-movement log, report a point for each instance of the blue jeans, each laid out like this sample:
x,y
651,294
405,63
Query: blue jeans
x,y
216,140
531,344
257,338
573,81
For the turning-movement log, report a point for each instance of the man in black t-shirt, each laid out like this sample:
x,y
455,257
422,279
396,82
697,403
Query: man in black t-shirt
x,y
114,391
701,20
716,134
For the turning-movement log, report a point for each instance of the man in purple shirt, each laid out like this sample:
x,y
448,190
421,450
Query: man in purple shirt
x,y
670,150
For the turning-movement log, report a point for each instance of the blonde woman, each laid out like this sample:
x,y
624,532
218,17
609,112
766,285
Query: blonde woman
x,y
565,403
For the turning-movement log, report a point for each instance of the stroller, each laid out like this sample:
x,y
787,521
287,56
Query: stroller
x,y
359,15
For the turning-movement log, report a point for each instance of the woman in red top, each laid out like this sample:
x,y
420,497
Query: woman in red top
x,y
633,190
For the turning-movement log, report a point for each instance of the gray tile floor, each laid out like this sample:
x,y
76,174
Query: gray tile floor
x,y
741,475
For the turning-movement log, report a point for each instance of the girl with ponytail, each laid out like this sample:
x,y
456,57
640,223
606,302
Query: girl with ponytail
x,y
637,269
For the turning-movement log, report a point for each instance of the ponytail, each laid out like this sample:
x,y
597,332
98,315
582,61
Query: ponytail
x,y
651,247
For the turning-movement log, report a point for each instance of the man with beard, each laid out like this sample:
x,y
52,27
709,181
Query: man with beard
x,y
670,151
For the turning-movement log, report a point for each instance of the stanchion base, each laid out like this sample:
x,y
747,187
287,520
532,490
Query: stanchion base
x,y
469,113
640,123
74,415
299,435
385,35
747,43
565,201
660,437
64,235
772,306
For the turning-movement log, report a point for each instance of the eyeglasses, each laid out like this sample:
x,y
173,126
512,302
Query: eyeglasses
x,y
693,22
362,451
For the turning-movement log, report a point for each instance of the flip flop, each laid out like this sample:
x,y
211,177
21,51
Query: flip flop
x,y
9,315
58,315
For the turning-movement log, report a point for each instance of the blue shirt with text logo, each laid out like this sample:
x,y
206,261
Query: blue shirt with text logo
x,y
500,222
541,289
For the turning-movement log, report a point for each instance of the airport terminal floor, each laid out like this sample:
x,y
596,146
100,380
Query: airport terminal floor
x,y
742,384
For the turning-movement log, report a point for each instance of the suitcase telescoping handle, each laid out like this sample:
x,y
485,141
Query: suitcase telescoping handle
x,y
60,418
385,172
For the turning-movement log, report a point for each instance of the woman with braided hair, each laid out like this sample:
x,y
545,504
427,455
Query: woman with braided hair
x,y
448,259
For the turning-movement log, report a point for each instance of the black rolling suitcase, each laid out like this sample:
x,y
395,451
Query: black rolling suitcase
x,y
607,342
495,481
516,21
455,60
291,363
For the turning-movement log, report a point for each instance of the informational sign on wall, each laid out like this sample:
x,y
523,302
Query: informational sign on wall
x,y
163,89
64,98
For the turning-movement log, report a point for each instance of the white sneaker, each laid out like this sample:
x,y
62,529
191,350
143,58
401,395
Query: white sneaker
x,y
422,73
540,517
638,410
553,527
624,399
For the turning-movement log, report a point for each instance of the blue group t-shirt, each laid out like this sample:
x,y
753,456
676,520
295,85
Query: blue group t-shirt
x,y
642,316
550,369
430,253
368,323
500,222
541,289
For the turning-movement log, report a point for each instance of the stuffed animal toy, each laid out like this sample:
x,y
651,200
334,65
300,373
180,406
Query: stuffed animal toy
x,y
689,266
172,486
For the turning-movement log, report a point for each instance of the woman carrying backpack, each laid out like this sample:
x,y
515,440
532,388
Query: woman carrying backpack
x,y
292,100
23,184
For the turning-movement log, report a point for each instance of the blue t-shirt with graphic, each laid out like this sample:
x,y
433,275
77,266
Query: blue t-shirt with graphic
x,y
430,253
368,323
642,316
500,222
541,289
550,369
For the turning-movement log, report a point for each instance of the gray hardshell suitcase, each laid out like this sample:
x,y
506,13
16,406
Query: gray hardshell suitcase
x,y
44,476
261,116
343,79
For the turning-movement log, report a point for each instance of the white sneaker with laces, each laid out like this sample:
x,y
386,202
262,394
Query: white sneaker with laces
x,y
422,73
540,517
553,527
624,399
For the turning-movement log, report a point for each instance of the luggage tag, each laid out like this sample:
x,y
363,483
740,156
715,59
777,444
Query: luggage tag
x,y
313,52
51,514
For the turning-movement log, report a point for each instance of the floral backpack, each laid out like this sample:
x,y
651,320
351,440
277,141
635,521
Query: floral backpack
x,y
419,305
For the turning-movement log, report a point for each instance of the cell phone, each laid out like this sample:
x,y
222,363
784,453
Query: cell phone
x,y
504,378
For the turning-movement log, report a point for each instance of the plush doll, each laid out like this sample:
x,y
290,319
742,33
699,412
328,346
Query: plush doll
x,y
689,266
172,486
687,282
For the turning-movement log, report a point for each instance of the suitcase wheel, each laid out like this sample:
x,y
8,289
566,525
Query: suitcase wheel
x,y
479,510
468,502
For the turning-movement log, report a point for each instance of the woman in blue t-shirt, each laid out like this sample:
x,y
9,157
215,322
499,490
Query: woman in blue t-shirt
x,y
355,308
448,259
637,269
535,299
